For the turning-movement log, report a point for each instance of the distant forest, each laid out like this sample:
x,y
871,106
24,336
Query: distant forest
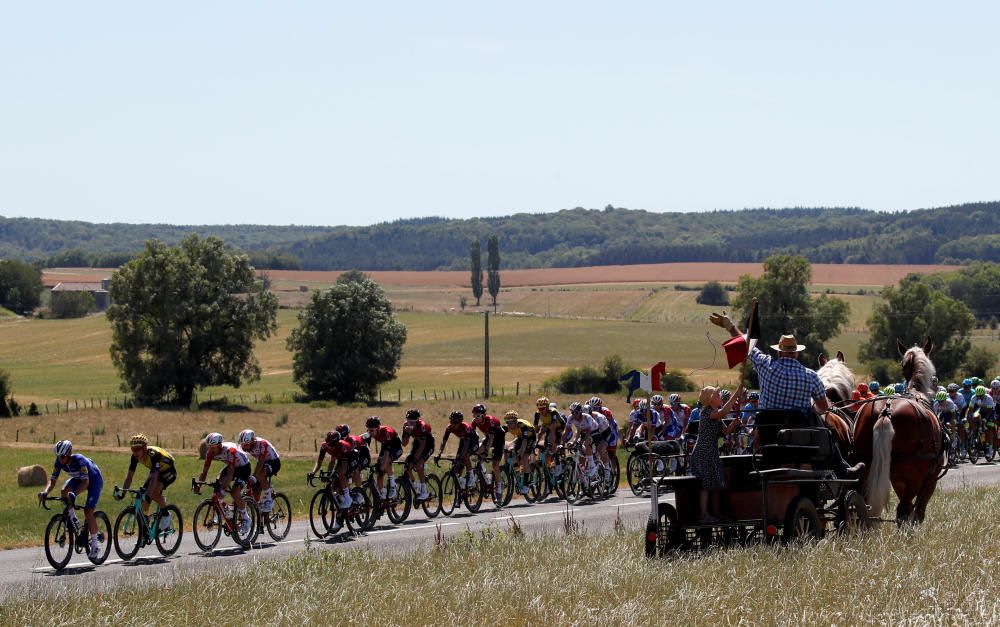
x,y
571,237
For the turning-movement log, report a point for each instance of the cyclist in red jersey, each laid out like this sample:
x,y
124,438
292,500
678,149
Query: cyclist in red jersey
x,y
391,450
467,442
493,442
268,465
236,469
360,456
423,448
339,451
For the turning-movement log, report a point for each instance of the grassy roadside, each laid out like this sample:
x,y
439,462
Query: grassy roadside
x,y
938,573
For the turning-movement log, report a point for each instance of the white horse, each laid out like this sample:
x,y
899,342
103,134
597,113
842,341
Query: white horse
x,y
837,378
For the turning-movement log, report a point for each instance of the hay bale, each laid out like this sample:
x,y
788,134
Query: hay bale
x,y
202,449
30,476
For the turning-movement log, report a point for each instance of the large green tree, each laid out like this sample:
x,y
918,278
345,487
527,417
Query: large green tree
x,y
187,317
20,286
913,311
348,342
785,306
476,262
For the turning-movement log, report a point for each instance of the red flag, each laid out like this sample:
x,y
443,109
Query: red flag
x,y
738,348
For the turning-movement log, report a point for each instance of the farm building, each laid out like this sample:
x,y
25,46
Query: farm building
x,y
102,297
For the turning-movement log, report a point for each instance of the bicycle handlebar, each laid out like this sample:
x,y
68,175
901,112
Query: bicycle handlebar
x,y
321,475
215,484
47,498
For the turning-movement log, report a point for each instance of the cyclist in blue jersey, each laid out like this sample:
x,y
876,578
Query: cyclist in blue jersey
x,y
83,475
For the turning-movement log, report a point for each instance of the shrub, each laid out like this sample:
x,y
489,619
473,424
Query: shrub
x,y
71,304
13,407
282,420
33,410
885,370
676,380
713,294
978,361
590,379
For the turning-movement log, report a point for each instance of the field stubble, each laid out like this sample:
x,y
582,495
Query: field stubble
x,y
913,576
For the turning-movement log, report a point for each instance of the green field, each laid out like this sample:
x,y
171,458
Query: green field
x,y
938,573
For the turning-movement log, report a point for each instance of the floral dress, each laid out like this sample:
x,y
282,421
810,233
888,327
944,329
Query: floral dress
x,y
705,461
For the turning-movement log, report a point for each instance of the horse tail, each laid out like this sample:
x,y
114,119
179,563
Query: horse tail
x,y
877,488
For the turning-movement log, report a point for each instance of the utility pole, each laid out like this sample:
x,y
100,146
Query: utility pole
x,y
486,356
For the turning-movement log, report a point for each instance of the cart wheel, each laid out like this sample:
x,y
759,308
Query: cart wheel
x,y
853,515
802,521
665,537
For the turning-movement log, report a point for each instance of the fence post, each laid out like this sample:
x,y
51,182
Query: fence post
x,y
399,395
517,390
91,437
289,443
529,389
411,394
53,437
183,443
17,435
118,438
315,445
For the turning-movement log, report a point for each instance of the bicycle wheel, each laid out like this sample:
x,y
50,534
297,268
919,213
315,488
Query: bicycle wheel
x,y
506,485
398,507
637,474
450,498
58,542
129,534
321,513
572,484
989,451
245,540
616,473
104,538
206,526
372,507
432,504
474,494
973,447
279,520
168,539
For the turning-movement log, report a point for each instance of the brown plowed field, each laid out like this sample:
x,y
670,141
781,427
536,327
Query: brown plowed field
x,y
823,274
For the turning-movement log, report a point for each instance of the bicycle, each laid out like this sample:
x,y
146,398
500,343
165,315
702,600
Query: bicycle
x,y
64,534
396,507
577,484
325,509
989,438
513,478
549,472
454,494
278,521
973,438
135,529
432,504
213,517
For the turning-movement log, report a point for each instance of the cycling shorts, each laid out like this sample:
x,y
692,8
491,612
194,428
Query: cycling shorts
x,y
93,489
425,454
468,444
272,466
393,448
166,477
525,440
358,459
241,475
496,449
601,436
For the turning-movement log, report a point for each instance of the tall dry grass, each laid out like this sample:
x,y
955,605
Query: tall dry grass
x,y
941,572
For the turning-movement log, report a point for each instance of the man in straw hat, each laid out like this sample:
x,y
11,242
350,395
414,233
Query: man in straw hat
x,y
786,384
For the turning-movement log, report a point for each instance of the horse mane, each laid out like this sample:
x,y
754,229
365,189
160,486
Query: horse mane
x,y
922,372
837,378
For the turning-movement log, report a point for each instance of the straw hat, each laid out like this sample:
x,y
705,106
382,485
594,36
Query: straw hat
x,y
787,344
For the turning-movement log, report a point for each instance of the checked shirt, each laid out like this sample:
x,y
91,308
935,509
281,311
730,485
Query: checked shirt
x,y
785,383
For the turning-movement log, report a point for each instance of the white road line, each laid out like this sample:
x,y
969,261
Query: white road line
x,y
563,511
371,533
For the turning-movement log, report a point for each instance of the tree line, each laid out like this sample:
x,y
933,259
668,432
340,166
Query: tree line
x,y
571,237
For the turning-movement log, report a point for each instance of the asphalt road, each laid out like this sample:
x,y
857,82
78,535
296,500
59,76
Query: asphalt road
x,y
27,569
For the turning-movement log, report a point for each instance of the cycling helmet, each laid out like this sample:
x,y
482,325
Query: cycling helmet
x,y
874,386
675,399
332,437
63,448
542,403
344,430
863,388
456,416
966,382
995,384
656,399
139,439
575,407
754,396
724,393
889,390
900,388
940,396
553,407
479,409
977,381
213,439
952,387
412,414
642,405
635,403
595,402
247,437
981,391
511,415
373,422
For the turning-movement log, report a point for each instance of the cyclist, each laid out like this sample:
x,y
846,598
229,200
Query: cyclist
x,y
162,472
493,441
360,457
584,425
548,424
671,426
236,470
681,411
392,449
944,408
83,475
524,442
339,451
983,403
995,390
966,390
874,387
637,423
602,435
268,465
423,448
467,442
748,414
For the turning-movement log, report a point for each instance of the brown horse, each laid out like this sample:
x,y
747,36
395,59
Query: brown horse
x,y
899,439
838,380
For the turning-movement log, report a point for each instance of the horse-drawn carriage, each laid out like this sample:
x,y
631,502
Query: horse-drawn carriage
x,y
786,488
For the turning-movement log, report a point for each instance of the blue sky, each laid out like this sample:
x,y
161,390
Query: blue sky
x,y
324,113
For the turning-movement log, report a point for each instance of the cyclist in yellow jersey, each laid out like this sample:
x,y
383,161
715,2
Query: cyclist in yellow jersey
x,y
524,442
161,473
548,423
